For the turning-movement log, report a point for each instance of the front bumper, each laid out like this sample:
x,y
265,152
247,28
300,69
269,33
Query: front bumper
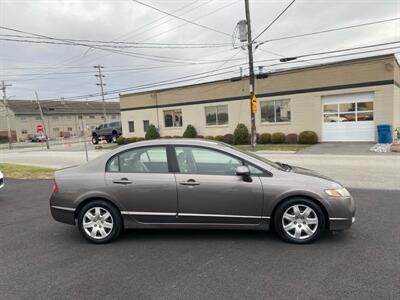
x,y
342,213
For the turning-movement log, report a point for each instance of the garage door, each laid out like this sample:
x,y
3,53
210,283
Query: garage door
x,y
348,117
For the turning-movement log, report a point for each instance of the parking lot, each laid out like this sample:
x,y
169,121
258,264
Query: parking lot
x,y
42,259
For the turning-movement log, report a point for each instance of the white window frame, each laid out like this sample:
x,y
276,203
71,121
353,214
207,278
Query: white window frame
x,y
173,111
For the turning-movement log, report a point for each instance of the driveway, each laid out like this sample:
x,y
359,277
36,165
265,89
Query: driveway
x,y
344,148
43,259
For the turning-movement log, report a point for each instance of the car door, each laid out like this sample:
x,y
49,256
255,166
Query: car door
x,y
141,181
209,191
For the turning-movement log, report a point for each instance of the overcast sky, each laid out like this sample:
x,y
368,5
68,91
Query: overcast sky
x,y
42,67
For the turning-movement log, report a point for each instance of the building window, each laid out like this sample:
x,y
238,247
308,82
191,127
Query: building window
x,y
69,129
217,115
114,117
131,125
80,117
38,118
275,111
146,124
173,118
22,118
24,131
54,117
92,117
349,112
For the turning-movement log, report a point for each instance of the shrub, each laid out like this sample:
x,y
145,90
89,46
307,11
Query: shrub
x,y
219,138
265,138
176,137
292,138
121,140
140,139
152,133
308,137
200,137
278,138
190,132
228,138
209,137
167,137
241,134
130,140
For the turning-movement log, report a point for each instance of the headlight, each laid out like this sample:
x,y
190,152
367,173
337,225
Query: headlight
x,y
338,193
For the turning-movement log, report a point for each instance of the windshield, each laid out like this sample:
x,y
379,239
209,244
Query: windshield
x,y
253,155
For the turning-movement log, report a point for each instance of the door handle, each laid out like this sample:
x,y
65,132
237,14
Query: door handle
x,y
122,181
190,182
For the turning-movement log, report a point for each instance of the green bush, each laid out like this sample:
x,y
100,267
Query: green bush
x,y
308,137
209,137
152,133
121,140
292,138
167,137
200,137
219,138
130,140
241,135
190,132
265,138
228,138
278,138
176,137
140,139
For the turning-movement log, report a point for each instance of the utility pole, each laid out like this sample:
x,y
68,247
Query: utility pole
x,y
3,88
42,117
253,101
101,84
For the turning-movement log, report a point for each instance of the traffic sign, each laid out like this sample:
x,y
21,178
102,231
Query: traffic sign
x,y
39,128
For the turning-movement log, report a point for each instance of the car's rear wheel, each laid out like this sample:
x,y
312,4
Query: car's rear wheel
x,y
299,220
99,222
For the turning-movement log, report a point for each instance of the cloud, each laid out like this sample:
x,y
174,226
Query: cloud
x,y
129,21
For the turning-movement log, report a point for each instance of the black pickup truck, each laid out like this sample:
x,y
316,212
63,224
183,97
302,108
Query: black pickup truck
x,y
107,131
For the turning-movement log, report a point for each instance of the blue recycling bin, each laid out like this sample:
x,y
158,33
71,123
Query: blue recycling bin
x,y
384,134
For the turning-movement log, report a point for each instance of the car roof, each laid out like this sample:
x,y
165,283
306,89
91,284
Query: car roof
x,y
178,141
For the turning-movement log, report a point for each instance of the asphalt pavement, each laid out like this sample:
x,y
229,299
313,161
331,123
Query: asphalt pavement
x,y
43,259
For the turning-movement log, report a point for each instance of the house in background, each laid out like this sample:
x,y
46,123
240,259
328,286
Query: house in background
x,y
61,117
340,101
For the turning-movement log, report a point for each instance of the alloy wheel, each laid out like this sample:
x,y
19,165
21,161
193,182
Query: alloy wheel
x,y
300,221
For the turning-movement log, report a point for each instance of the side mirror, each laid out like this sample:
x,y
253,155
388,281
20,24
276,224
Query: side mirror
x,y
244,172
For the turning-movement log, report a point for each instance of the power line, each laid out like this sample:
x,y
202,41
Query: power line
x,y
327,30
276,19
118,45
182,19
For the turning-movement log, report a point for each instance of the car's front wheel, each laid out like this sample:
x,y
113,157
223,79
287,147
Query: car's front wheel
x,y
95,140
99,222
299,220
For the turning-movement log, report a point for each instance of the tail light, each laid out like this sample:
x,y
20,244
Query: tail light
x,y
55,186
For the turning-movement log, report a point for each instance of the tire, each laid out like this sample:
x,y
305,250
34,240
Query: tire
x,y
114,139
99,222
95,140
298,225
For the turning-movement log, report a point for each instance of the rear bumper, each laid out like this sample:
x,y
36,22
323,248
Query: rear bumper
x,y
62,214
